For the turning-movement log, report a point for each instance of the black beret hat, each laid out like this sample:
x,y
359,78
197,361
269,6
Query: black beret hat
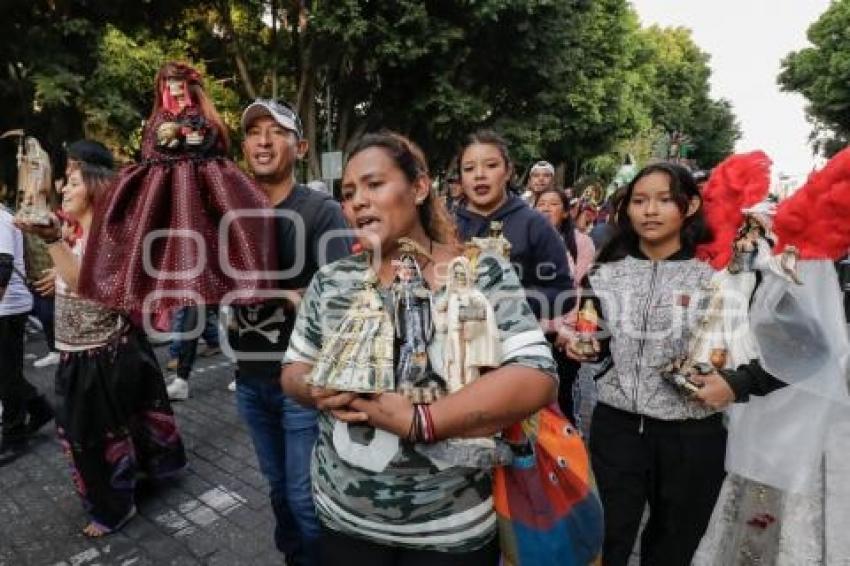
x,y
91,152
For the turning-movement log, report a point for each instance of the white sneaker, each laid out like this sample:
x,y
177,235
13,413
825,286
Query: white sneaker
x,y
178,390
232,386
51,359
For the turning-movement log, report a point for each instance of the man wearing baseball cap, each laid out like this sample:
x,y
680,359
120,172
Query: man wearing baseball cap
x,y
283,431
540,178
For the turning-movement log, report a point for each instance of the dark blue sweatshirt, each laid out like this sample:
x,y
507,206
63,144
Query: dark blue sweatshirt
x,y
537,253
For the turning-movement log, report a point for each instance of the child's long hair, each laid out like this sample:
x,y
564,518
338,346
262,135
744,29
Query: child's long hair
x,y
683,188
196,92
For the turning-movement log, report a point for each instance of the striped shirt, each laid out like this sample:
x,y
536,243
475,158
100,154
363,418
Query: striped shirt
x,y
370,484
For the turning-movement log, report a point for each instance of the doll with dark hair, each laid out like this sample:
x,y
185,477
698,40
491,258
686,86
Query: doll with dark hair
x,y
169,232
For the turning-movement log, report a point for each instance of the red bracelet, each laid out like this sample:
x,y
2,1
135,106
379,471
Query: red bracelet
x,y
430,435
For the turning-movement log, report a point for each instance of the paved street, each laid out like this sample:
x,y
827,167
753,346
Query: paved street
x,y
216,513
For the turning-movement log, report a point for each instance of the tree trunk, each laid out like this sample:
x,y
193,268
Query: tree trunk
x,y
306,105
235,48
561,175
345,111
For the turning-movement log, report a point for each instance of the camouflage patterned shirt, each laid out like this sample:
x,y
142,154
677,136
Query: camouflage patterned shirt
x,y
369,483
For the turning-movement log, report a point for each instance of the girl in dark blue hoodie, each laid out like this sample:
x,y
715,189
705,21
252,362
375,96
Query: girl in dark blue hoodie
x,y
537,251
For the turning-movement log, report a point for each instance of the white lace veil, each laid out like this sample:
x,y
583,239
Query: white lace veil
x,y
801,337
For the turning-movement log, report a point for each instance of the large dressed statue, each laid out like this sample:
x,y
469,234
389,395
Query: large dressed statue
x,y
186,225
784,501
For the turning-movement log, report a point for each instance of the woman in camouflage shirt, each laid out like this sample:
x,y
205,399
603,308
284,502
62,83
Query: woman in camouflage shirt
x,y
380,500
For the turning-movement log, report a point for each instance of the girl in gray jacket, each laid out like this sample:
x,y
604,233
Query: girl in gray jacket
x,y
650,443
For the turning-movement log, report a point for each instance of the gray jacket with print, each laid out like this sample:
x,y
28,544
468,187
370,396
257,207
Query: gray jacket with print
x,y
650,309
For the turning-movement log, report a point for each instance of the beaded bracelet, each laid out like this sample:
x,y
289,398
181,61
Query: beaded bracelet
x,y
430,435
421,425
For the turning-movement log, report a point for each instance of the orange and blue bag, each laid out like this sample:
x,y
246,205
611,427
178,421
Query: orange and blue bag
x,y
546,501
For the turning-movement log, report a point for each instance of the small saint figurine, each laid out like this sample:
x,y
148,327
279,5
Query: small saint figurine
x,y
467,323
495,243
706,347
472,336
173,230
414,327
746,244
358,356
753,246
587,323
34,183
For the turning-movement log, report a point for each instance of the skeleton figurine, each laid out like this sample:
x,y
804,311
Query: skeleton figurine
x,y
467,318
754,242
746,244
358,356
186,134
34,182
787,261
467,323
414,328
495,243
702,344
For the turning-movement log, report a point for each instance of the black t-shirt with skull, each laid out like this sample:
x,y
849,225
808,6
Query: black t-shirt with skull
x,y
263,330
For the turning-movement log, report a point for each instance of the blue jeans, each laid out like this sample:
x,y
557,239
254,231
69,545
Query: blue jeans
x,y
284,434
179,323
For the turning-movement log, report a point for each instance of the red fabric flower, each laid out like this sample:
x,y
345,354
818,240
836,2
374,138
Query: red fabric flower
x,y
739,182
815,218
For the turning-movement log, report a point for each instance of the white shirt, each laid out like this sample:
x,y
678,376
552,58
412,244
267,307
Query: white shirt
x,y
17,299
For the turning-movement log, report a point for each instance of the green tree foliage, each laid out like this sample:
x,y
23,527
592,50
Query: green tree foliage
x,y
49,50
553,76
676,90
821,73
118,97
564,80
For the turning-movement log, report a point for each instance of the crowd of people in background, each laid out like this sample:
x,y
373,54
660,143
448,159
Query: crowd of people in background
x,y
346,481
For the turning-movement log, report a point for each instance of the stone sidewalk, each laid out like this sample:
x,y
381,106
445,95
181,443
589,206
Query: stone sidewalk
x,y
217,512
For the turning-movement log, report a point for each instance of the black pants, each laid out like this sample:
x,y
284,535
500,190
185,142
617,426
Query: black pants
x,y
15,391
342,550
847,305
567,373
189,347
675,467
43,308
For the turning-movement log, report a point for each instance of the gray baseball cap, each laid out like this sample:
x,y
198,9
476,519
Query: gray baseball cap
x,y
281,112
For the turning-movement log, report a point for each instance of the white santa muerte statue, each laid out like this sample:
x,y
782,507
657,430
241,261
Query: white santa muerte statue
x,y
35,180
467,319
786,499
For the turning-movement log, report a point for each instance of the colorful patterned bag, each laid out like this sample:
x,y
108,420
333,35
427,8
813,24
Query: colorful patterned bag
x,y
549,511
